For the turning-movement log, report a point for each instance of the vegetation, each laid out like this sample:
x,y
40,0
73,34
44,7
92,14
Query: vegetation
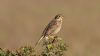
x,y
53,46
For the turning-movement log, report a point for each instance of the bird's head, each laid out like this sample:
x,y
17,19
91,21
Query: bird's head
x,y
59,17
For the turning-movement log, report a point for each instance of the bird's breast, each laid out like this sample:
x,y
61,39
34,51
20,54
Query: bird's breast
x,y
57,30
58,27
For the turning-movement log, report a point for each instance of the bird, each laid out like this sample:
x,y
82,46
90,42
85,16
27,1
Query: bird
x,y
52,28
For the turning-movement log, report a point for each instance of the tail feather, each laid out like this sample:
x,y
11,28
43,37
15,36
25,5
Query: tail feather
x,y
38,41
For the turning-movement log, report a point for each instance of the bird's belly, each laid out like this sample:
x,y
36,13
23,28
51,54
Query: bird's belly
x,y
57,30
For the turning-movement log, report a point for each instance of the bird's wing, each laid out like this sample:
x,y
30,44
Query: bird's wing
x,y
47,31
50,28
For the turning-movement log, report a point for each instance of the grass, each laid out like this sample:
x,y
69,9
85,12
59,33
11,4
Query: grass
x,y
53,46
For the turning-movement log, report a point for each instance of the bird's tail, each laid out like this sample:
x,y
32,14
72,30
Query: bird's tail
x,y
38,41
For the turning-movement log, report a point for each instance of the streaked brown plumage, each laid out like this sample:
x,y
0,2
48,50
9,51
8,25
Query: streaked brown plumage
x,y
52,28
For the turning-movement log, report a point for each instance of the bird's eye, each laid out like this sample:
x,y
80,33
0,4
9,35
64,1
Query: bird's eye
x,y
58,16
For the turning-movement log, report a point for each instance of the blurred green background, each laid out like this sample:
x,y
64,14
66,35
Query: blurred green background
x,y
22,22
